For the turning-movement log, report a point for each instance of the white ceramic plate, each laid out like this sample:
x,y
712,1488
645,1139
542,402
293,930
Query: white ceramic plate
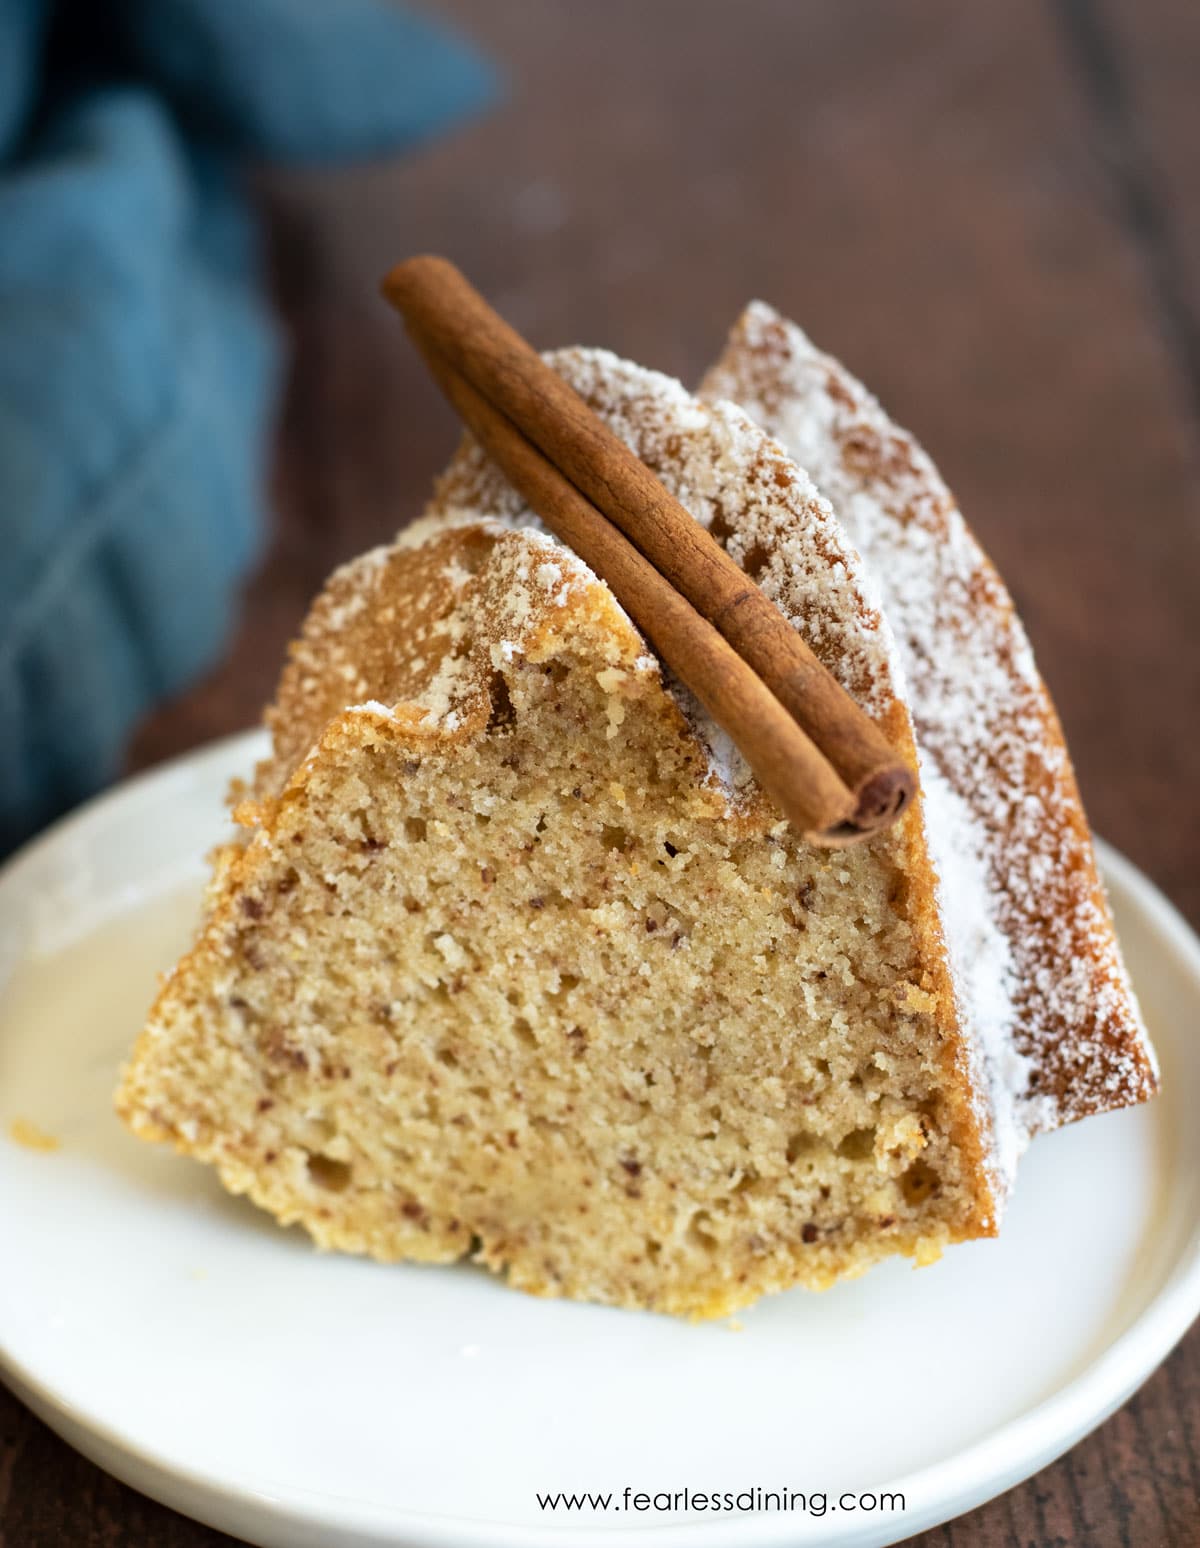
x,y
181,1340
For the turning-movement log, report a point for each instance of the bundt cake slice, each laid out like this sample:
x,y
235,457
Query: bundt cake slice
x,y
517,963
993,758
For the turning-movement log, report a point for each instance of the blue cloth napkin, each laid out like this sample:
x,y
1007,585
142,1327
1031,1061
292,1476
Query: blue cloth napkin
x,y
138,364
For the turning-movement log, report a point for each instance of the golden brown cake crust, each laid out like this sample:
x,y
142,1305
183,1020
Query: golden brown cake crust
x,y
984,719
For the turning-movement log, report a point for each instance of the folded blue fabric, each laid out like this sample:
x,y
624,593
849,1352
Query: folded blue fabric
x,y
138,364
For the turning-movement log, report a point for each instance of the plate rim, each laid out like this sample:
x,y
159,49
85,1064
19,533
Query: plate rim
x,y
944,1490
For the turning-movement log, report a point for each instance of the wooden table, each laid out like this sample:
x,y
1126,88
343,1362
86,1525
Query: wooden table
x,y
993,214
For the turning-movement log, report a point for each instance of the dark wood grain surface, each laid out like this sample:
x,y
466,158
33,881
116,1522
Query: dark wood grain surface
x,y
993,214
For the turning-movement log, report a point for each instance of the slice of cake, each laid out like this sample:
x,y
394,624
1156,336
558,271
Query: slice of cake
x,y
993,759
516,962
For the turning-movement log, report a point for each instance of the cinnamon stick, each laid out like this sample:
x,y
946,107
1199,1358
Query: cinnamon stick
x,y
469,343
785,760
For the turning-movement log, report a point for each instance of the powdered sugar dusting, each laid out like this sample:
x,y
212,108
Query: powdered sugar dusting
x,y
1006,825
981,963
356,577
441,695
